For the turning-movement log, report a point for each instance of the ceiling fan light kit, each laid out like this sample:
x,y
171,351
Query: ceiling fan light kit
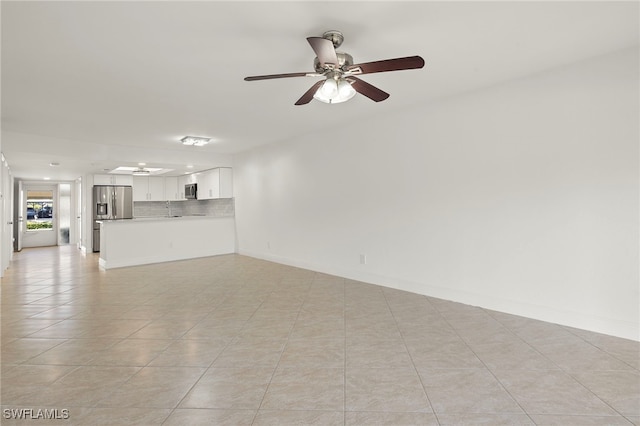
x,y
140,172
334,91
339,71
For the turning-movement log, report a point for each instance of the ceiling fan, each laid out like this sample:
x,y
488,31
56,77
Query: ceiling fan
x,y
340,83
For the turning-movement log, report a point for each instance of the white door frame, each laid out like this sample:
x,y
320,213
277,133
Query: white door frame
x,y
78,212
6,216
21,217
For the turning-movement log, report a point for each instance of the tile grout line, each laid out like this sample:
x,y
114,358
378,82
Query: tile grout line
x,y
560,368
284,346
206,369
568,329
344,352
144,296
502,386
404,342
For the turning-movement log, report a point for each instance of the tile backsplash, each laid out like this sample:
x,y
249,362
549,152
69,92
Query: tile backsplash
x,y
222,207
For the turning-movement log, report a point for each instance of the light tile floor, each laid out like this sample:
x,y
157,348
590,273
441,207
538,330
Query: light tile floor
x,y
235,340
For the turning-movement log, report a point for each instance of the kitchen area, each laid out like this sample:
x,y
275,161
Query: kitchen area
x,y
150,219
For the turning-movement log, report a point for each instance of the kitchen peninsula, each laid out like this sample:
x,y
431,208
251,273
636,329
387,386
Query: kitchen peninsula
x,y
163,239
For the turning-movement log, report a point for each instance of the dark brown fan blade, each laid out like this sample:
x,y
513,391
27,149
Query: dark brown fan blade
x,y
308,95
324,49
268,77
364,88
408,63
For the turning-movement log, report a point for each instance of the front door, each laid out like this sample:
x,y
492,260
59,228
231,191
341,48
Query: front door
x,y
40,225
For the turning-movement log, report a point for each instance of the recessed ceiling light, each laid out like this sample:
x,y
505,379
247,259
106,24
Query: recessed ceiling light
x,y
142,164
195,141
47,178
189,166
54,164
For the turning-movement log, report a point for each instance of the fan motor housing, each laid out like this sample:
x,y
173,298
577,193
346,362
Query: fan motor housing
x,y
344,60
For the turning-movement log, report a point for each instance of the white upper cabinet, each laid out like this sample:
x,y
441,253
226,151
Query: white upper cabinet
x,y
226,182
215,183
208,184
171,189
148,188
140,188
182,181
126,180
212,184
156,188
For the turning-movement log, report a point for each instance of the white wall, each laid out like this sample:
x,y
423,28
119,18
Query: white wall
x,y
521,198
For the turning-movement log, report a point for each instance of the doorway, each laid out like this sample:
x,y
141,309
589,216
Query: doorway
x,y
40,210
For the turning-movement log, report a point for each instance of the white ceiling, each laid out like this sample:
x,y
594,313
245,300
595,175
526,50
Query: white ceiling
x,y
96,85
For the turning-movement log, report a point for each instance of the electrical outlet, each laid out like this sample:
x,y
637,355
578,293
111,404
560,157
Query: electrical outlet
x,y
363,259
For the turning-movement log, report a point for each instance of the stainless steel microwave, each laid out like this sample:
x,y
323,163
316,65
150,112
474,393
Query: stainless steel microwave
x,y
191,191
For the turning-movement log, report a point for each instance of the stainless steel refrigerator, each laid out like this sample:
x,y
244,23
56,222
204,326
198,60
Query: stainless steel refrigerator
x,y
110,203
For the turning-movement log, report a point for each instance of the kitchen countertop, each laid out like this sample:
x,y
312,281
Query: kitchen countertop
x,y
161,218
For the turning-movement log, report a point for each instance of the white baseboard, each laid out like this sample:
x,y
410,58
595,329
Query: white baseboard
x,y
609,326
